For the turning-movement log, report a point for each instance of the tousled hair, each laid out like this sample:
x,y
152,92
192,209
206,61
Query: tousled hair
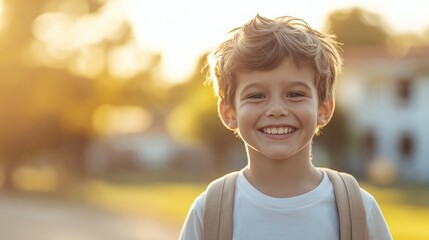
x,y
263,44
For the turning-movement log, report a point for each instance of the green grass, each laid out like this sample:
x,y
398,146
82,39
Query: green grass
x,y
164,201
406,210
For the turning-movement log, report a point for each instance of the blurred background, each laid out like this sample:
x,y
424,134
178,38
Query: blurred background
x,y
107,130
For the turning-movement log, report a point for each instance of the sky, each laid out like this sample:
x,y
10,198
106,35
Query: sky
x,y
183,30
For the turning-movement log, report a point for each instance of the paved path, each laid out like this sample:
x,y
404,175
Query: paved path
x,y
40,219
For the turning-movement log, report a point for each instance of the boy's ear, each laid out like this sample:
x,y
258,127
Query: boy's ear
x,y
326,110
227,115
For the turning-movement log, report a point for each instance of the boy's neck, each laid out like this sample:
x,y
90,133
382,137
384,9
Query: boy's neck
x,y
283,178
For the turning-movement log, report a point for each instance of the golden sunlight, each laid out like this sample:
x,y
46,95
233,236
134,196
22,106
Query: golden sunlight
x,y
89,61
109,119
75,40
127,60
1,14
30,178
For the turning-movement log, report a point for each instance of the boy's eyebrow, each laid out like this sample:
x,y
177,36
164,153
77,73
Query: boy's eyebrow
x,y
292,84
251,85
255,84
299,83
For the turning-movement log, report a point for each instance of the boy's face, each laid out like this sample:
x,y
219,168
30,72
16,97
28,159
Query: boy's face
x,y
277,112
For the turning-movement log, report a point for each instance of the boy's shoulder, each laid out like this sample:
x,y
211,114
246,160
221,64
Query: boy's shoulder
x,y
215,189
199,203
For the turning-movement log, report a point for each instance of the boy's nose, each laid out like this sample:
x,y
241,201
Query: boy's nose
x,y
277,110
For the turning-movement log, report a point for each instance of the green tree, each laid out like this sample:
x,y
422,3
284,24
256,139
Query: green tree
x,y
49,89
357,27
34,101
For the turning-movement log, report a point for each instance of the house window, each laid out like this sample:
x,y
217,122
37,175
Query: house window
x,y
406,146
404,90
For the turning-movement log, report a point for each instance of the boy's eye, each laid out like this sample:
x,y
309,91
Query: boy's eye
x,y
256,96
295,95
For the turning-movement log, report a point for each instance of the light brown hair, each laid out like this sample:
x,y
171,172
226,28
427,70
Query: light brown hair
x,y
263,44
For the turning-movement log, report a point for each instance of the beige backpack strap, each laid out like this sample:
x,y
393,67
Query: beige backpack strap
x,y
218,210
351,209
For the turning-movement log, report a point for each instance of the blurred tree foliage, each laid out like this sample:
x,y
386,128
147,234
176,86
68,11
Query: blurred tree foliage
x,y
46,105
357,27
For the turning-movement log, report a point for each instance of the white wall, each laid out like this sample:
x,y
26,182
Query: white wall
x,y
368,92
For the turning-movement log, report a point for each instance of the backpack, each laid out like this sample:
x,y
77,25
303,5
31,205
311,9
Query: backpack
x,y
218,210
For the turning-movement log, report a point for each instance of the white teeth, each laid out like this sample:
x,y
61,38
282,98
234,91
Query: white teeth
x,y
283,130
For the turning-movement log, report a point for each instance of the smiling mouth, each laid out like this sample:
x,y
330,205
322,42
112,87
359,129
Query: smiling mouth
x,y
278,130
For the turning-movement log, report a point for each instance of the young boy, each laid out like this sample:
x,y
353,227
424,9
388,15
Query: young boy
x,y
274,79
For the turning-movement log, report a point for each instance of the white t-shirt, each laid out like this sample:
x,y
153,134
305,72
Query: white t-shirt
x,y
312,215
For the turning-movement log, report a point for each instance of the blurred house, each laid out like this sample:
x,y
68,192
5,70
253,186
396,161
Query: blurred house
x,y
386,97
147,153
